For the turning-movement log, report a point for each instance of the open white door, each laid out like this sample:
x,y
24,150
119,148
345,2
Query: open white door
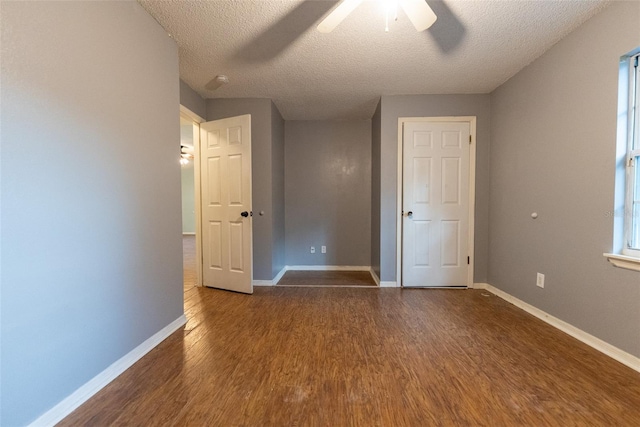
x,y
225,171
436,204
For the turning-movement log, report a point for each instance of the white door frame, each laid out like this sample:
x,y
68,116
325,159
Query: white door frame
x,y
184,111
472,189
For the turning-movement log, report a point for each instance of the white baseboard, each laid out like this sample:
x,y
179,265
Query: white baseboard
x,y
188,233
328,268
279,275
480,286
262,283
271,282
614,352
380,283
374,276
389,284
81,395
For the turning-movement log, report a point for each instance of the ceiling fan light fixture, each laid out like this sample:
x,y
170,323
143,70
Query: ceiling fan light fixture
x,y
186,154
390,8
418,12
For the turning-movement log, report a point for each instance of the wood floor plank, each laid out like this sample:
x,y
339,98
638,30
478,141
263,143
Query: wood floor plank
x,y
327,279
304,356
189,261
344,356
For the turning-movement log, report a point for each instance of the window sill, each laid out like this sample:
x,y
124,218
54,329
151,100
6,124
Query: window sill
x,y
624,261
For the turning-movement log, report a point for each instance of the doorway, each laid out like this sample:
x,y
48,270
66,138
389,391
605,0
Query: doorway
x,y
436,197
187,177
221,241
189,142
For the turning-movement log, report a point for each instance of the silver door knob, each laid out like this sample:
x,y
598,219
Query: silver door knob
x,y
410,214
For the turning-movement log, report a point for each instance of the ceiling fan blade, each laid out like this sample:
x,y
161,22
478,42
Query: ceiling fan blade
x,y
419,12
337,15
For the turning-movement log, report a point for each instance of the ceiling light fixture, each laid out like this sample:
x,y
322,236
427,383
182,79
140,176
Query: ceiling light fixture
x,y
217,82
389,7
418,11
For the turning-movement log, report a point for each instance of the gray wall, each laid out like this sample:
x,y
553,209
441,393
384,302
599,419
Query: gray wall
x,y
376,164
190,99
393,107
262,175
91,246
277,190
553,152
328,192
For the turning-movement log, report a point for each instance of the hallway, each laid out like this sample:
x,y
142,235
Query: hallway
x,y
189,261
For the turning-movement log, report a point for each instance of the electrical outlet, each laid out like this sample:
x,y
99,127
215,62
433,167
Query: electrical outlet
x,y
313,249
540,280
323,249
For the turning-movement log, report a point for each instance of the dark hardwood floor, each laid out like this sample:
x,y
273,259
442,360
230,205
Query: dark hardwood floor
x,y
303,356
327,279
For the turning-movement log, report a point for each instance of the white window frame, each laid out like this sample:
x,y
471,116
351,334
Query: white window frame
x,y
628,148
633,151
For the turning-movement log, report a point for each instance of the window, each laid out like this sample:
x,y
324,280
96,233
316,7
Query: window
x,y
632,201
626,213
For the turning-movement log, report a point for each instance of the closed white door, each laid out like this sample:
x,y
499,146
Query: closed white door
x,y
225,170
435,204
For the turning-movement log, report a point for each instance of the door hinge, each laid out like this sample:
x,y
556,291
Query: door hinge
x,y
469,139
630,164
468,260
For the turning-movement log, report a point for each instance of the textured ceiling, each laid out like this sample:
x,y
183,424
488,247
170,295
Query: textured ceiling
x,y
271,49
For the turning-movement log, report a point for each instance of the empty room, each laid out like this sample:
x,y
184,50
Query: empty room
x,y
320,213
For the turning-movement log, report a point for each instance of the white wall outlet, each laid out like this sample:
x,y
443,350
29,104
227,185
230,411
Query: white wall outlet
x,y
323,249
313,249
540,280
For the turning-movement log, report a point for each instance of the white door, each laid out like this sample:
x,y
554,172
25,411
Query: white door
x,y
435,203
225,171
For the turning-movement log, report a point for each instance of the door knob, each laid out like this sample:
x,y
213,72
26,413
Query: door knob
x,y
410,214
244,214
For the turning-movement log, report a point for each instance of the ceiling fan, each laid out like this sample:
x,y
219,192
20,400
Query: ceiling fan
x,y
186,154
418,11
